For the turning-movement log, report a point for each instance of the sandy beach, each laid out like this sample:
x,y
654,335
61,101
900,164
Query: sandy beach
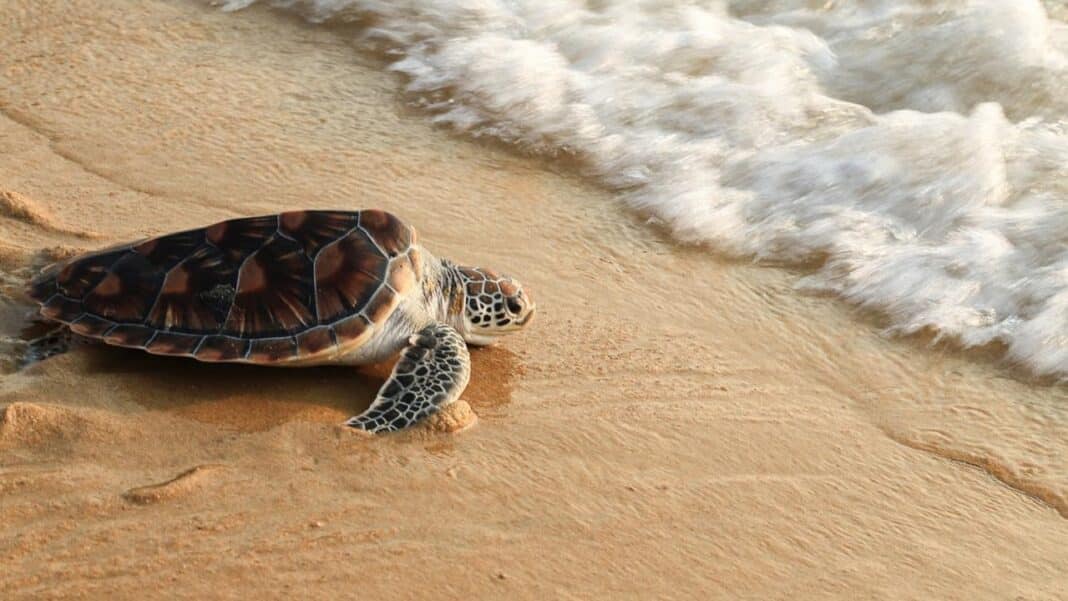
x,y
675,425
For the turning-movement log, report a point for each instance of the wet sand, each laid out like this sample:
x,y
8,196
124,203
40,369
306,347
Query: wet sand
x,y
673,425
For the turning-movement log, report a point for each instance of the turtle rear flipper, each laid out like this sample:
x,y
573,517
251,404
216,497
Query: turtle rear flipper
x,y
432,372
43,340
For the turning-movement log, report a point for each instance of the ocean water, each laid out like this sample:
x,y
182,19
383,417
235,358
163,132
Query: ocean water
x,y
911,155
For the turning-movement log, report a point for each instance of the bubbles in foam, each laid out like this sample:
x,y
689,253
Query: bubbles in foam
x,y
916,151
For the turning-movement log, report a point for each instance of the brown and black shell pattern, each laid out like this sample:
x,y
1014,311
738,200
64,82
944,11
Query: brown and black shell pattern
x,y
297,286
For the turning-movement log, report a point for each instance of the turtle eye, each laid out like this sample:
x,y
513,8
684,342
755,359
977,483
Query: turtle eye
x,y
513,305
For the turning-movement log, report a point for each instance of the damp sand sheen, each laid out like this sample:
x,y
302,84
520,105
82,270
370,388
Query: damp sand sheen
x,y
674,425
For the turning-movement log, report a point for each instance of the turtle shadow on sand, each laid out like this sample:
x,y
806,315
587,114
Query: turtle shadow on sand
x,y
256,398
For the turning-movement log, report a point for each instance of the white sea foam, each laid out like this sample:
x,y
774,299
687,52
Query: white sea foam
x,y
916,151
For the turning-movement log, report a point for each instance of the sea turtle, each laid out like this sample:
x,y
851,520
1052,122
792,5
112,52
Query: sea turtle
x,y
295,289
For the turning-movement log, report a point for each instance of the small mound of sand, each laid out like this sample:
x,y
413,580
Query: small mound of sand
x,y
454,417
56,426
29,423
183,484
16,206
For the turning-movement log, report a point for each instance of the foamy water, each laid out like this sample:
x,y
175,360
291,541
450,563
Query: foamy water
x,y
914,151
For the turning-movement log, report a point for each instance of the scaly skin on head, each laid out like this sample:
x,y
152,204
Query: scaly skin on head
x,y
480,303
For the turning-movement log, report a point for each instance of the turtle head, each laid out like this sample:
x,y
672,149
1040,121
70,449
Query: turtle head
x,y
493,305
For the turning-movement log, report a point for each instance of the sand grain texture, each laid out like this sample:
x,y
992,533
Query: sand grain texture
x,y
672,426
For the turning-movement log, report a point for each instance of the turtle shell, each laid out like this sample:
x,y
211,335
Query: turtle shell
x,y
270,289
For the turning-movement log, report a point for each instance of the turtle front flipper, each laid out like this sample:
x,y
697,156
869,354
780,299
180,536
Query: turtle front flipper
x,y
432,372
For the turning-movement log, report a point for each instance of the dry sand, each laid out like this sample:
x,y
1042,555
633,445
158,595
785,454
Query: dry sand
x,y
672,426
